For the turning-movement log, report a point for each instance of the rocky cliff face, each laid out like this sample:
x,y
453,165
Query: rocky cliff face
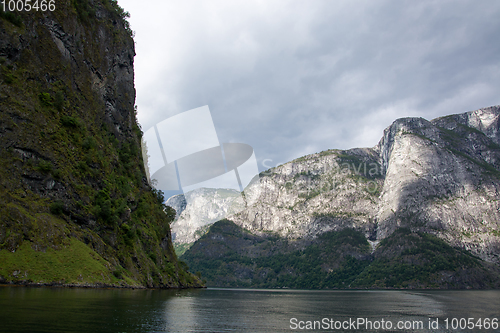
x,y
442,178
327,191
438,178
205,207
73,186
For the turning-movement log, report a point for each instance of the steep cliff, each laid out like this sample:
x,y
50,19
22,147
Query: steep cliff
x,y
330,190
75,206
436,178
442,177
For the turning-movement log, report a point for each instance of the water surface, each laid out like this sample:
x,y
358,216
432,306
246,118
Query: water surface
x,y
25,309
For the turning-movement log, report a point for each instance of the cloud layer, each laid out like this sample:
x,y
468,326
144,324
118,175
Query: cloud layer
x,y
291,78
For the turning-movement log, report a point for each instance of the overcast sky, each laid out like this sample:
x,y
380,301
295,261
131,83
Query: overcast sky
x,y
290,78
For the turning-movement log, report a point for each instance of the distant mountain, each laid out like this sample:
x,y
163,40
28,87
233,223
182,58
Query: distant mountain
x,y
205,207
428,194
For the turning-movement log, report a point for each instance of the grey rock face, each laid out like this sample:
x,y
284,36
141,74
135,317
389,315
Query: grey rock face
x,y
486,120
437,176
317,193
440,177
197,209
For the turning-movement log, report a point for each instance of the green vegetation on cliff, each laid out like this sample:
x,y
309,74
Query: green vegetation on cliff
x,y
75,205
229,256
419,260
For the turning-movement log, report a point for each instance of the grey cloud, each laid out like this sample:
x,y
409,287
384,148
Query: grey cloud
x,y
296,77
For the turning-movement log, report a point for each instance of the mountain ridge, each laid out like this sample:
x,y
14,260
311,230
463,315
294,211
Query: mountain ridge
x,y
438,177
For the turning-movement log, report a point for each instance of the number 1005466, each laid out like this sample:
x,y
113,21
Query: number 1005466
x,y
28,5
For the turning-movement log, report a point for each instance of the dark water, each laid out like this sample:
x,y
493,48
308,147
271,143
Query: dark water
x,y
231,310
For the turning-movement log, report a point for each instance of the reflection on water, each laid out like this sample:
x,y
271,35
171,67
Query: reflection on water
x,y
224,310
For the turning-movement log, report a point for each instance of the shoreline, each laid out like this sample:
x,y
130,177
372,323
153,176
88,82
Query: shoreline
x,y
87,286
107,286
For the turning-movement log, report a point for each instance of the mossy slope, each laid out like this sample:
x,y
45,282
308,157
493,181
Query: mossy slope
x,y
229,256
72,182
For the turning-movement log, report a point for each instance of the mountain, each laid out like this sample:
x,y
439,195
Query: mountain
x,y
419,210
75,205
206,206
